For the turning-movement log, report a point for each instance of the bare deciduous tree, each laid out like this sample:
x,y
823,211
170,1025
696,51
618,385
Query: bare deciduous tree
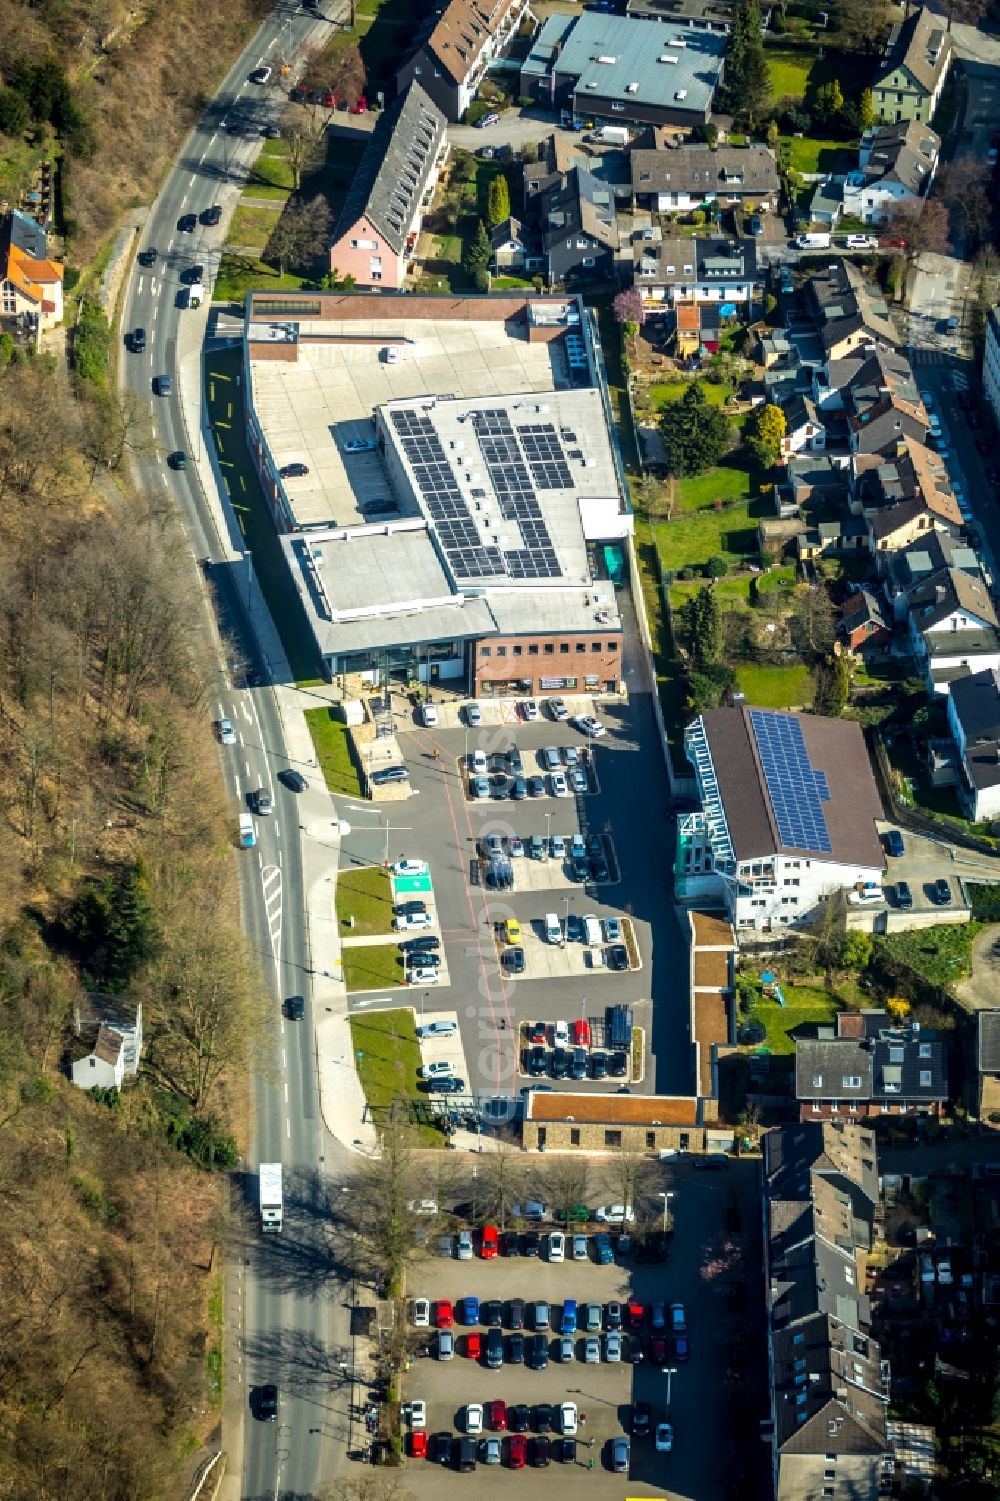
x,y
301,235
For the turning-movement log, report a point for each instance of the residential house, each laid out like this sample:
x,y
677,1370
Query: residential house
x,y
804,427
868,1065
514,249
578,227
379,223
974,722
912,75
694,176
849,311
933,550
455,48
905,496
617,69
988,1065
107,1040
953,627
991,363
688,316
699,270
557,155
863,626
711,15
896,166
31,285
829,1386
883,405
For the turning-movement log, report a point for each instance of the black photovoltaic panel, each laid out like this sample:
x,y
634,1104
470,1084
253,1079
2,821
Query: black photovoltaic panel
x,y
515,492
797,792
544,453
453,522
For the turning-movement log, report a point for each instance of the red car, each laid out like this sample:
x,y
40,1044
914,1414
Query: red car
x,y
418,1444
658,1349
473,1346
579,1032
490,1243
635,1314
517,1451
443,1314
359,106
496,1416
329,101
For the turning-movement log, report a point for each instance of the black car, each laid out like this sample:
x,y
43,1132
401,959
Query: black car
x,y
565,1450
560,1063
514,760
619,1065
904,896
618,956
211,215
410,908
500,786
942,891
138,340
599,870
465,1449
515,1349
579,868
519,1418
578,1064
613,1316
544,1418
294,780
491,1313
642,1420
632,1349
265,1400
511,1246
538,1453
494,1349
295,1008
518,788
439,1449
147,257
515,1308
513,960
538,1062
164,385
594,845
539,1352
447,1085
574,928
428,960
187,224
536,786
420,945
293,471
598,1065
178,460
531,1243
193,274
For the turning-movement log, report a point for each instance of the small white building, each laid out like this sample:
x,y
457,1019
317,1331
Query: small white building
x,y
953,627
974,721
108,1033
787,819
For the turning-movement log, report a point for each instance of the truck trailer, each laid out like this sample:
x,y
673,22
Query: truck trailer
x,y
270,1196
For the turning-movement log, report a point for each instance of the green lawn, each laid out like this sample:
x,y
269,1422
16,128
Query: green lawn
x,y
731,593
662,392
271,176
789,71
724,482
809,154
807,1008
224,401
376,966
329,736
252,224
940,955
698,534
775,687
388,1041
913,787
365,895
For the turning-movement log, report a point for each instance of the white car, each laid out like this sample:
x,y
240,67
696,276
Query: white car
x,y
227,735
480,787
423,974
530,710
436,1071
480,765
567,1419
410,868
560,787
465,1248
437,1029
429,716
417,1414
556,1246
421,1313
407,922
868,894
558,709
589,725
473,715
474,1417
391,354
359,445
560,1035
615,1214
422,1206
862,242
664,1438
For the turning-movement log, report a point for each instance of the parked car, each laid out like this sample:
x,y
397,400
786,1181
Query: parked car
x,y
942,891
904,896
619,1453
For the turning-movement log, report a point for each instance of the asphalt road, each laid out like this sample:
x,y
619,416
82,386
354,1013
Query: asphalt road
x,y
284,1314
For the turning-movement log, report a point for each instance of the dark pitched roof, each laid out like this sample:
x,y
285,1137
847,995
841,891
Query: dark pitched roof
x,y
860,607
826,1068
394,170
908,1066
845,303
462,31
94,1008
921,45
578,204
718,262
835,747
932,600
929,554
694,169
22,231
989,1042
976,704
904,152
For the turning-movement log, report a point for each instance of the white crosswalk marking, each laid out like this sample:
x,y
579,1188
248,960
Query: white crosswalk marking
x,y
270,879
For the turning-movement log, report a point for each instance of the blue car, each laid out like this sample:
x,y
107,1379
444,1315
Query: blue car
x,y
568,1325
894,843
602,1250
468,1311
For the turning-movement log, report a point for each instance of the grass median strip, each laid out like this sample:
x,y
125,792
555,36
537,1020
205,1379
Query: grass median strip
x,y
373,966
387,1054
333,752
365,895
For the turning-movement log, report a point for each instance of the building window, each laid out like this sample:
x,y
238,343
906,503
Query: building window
x,y
574,1136
618,106
612,646
651,1138
486,651
517,650
612,1138
550,650
581,646
852,1081
376,275
532,651
817,1081
925,1078
564,648
501,651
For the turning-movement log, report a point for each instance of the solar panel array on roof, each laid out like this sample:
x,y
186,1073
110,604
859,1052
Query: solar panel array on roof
x,y
795,790
453,521
544,453
513,487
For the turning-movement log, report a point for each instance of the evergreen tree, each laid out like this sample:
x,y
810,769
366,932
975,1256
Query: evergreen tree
x,y
866,109
696,434
497,200
747,76
477,251
703,625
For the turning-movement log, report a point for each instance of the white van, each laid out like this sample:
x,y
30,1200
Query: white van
x,y
553,928
814,241
592,935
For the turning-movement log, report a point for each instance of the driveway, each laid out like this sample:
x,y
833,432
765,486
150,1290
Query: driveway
x,y
980,991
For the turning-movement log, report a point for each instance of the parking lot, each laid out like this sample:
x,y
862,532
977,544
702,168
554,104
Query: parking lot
x,y
703,1206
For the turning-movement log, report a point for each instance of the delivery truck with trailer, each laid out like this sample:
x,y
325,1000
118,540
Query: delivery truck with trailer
x,y
270,1196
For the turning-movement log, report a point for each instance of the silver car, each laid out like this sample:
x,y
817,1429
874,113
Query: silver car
x,y
579,1248
593,1318
566,1347
613,1347
592,1351
465,1245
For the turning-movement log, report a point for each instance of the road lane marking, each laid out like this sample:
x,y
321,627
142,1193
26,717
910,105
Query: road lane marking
x,y
247,765
156,311
272,892
138,286
191,179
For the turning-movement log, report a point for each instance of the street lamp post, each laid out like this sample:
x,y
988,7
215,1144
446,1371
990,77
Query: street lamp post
x,y
548,826
666,1197
668,1371
422,1000
566,902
